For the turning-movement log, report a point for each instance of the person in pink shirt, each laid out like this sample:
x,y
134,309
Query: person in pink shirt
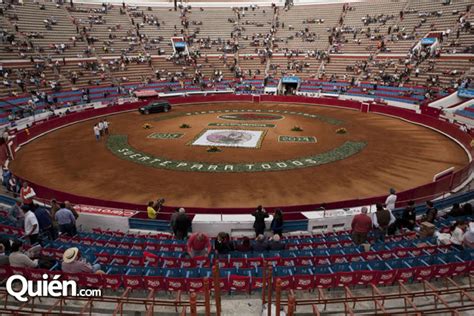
x,y
72,263
199,245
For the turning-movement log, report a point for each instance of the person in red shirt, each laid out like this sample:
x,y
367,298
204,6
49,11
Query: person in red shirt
x,y
361,225
199,245
27,194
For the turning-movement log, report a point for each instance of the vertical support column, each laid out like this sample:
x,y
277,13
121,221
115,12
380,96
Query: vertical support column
x,y
207,302
192,302
291,305
264,283
217,288
277,297
270,290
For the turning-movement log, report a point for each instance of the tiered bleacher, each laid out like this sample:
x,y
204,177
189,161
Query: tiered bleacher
x,y
160,262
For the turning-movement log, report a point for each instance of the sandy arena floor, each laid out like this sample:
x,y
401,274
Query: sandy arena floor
x,y
398,154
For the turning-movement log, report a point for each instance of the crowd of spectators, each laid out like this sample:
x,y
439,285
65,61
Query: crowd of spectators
x,y
383,222
39,223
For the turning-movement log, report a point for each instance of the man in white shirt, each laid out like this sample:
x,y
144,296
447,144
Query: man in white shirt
x,y
457,235
97,132
106,127
468,239
101,128
391,200
31,225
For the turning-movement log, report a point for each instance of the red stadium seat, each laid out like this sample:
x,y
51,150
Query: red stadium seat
x,y
195,284
239,283
240,263
133,282
423,273
175,284
324,280
303,282
91,280
156,283
112,281
255,262
342,279
103,258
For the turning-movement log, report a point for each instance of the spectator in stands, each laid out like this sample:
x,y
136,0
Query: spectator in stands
x,y
16,214
151,210
53,209
31,225
259,225
455,211
173,220
408,220
20,260
361,226
199,245
277,222
6,243
223,244
468,239
72,263
4,261
71,208
182,224
244,246
381,221
154,208
457,234
45,222
261,243
27,193
467,209
431,213
391,200
275,243
13,185
6,175
66,220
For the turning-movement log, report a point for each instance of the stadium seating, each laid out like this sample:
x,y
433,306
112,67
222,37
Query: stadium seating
x,y
327,260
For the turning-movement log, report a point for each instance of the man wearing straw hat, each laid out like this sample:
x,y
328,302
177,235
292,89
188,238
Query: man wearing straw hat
x,y
72,263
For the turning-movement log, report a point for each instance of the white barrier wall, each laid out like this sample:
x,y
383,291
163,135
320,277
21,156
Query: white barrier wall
x,y
446,101
87,221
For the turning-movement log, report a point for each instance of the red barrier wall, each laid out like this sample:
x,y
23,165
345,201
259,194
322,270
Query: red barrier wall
x,y
425,192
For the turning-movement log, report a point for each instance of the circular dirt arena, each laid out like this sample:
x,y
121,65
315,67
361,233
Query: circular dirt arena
x,y
279,167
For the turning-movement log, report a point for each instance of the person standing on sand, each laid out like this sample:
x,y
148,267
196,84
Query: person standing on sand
x,y
101,128
97,132
106,127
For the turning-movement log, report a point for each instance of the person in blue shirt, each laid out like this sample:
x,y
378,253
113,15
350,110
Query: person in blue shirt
x,y
6,174
45,221
66,220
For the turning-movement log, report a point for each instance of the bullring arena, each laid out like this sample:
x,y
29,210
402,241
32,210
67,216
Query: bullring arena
x,y
377,152
308,157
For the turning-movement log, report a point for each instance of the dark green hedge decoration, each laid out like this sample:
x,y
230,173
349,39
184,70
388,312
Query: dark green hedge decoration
x,y
213,149
296,129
